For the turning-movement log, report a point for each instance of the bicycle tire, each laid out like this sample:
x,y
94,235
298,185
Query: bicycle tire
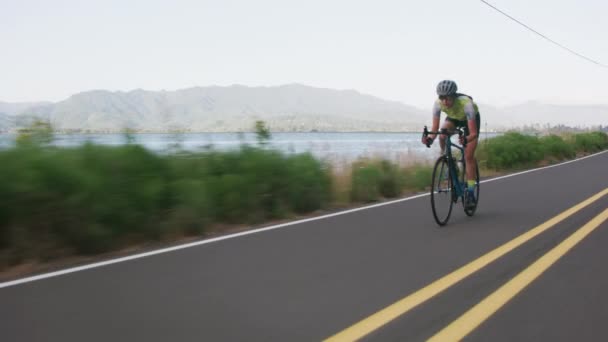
x,y
471,211
442,191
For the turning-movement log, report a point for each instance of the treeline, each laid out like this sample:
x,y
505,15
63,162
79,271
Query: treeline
x,y
59,202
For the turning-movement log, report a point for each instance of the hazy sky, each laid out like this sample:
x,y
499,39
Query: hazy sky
x,y
396,50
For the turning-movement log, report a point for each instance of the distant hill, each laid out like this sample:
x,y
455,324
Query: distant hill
x,y
9,113
16,108
535,113
220,109
291,107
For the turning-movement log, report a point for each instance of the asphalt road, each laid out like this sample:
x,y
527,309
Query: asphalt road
x,y
312,280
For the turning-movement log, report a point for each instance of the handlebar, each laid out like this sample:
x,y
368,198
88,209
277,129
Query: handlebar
x,y
444,131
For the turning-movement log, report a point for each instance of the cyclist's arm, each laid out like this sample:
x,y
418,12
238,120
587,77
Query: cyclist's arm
x,y
436,117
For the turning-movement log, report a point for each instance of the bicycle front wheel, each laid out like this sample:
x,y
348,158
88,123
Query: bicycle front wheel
x,y
442,192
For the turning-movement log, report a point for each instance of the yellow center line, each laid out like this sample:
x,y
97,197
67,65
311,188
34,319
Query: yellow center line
x,y
382,317
470,320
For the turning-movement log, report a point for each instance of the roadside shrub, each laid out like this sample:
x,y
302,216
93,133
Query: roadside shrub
x,y
590,142
309,183
418,177
509,151
92,238
124,189
371,180
190,210
254,184
246,185
365,182
35,182
554,146
6,195
189,213
84,199
391,179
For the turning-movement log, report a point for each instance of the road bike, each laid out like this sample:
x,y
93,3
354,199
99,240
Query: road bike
x,y
449,183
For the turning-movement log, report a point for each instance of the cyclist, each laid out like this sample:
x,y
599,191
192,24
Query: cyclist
x,y
461,112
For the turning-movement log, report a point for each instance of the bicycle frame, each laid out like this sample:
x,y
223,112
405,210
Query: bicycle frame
x,y
457,185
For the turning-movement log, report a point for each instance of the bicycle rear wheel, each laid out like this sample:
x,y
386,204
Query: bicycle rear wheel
x,y
442,192
471,210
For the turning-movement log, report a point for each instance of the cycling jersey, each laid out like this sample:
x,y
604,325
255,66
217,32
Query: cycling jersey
x,y
464,108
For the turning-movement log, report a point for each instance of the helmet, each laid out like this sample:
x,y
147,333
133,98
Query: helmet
x,y
446,88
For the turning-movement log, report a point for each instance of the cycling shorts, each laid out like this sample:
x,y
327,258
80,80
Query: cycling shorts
x,y
464,124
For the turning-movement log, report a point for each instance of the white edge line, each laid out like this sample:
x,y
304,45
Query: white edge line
x,y
231,236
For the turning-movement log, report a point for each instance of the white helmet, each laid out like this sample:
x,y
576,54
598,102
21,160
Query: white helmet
x,y
446,88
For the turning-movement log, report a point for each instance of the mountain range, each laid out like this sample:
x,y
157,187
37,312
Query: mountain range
x,y
291,107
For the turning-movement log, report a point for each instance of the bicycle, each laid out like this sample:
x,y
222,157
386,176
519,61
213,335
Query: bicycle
x,y
449,183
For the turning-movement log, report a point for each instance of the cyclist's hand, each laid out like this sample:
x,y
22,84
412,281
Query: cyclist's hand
x,y
428,141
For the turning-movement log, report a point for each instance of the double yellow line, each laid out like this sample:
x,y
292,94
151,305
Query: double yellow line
x,y
474,317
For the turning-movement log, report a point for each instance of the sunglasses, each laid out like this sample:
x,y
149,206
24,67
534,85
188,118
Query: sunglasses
x,y
444,97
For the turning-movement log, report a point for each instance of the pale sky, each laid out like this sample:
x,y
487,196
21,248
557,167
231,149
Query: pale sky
x,y
392,49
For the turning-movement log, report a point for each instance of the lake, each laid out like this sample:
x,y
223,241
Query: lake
x,y
402,148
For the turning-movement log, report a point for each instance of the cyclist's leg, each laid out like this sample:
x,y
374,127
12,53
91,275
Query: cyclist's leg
x,y
447,124
469,155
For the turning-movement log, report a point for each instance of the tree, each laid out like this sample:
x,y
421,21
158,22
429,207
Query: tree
x,y
129,135
262,132
38,133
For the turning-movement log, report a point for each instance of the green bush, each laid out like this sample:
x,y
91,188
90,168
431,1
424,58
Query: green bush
x,y
309,183
365,183
391,180
35,183
190,212
125,189
83,198
91,238
590,142
418,177
253,184
514,150
247,185
556,147
93,199
510,151
371,180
